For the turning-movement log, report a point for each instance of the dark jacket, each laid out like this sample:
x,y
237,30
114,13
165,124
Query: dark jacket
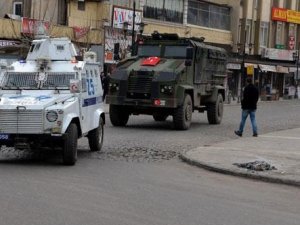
x,y
105,83
250,97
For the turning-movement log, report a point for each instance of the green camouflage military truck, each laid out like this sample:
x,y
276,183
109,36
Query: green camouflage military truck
x,y
169,76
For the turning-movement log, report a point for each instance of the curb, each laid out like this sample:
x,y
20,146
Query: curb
x,y
240,173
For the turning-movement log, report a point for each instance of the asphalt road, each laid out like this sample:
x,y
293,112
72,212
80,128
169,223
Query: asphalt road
x,y
138,179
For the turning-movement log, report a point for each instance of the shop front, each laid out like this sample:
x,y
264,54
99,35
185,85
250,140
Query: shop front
x,y
275,74
291,84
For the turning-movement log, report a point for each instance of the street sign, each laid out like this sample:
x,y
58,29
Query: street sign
x,y
250,70
279,46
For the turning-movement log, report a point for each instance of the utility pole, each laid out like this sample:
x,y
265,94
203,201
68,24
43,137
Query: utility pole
x,y
243,67
133,33
297,67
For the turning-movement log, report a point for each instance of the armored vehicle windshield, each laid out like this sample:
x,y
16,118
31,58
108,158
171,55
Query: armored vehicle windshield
x,y
36,80
165,51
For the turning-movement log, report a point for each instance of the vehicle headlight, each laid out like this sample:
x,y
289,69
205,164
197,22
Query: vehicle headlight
x,y
52,116
166,89
114,86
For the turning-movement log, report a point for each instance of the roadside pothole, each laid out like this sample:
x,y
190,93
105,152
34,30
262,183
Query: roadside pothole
x,y
137,154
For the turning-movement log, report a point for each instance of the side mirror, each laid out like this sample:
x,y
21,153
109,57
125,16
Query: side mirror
x,y
189,56
75,86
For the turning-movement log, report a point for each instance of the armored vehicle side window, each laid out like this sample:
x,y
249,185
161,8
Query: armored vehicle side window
x,y
60,47
37,46
149,50
31,48
175,51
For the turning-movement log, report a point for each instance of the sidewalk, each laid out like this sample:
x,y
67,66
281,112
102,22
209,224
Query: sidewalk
x,y
280,149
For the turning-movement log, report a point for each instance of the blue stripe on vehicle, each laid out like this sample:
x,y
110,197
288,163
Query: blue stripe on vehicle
x,y
91,101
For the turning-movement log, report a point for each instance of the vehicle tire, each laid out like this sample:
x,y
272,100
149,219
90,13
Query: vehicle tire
x,y
215,111
70,145
182,117
95,137
118,116
160,117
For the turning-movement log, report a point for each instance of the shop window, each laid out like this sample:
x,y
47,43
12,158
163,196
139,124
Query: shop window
x,y
17,8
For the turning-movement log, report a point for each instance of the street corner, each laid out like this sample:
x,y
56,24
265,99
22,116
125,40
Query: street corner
x,y
241,162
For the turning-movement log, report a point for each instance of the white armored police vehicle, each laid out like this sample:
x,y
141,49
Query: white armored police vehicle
x,y
51,99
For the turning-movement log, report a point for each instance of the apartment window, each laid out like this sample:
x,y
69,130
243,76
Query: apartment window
x,y
255,4
17,8
165,10
276,3
208,15
279,29
248,31
292,34
263,34
121,2
81,5
292,29
126,3
239,30
288,4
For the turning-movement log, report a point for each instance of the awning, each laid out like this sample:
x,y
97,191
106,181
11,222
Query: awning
x,y
233,66
282,69
294,69
267,68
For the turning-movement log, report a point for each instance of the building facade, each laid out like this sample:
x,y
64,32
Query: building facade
x,y
213,20
21,19
263,36
266,44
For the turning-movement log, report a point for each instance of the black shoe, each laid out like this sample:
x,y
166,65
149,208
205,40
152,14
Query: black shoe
x,y
238,133
255,135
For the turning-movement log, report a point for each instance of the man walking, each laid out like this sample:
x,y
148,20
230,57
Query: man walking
x,y
105,84
249,105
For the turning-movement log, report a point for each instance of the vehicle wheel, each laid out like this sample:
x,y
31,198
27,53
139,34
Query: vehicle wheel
x,y
215,111
95,137
160,117
183,114
118,116
70,145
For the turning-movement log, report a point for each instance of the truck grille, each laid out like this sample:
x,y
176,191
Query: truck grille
x,y
139,85
24,122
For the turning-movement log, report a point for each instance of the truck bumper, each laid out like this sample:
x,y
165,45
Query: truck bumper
x,y
142,103
27,140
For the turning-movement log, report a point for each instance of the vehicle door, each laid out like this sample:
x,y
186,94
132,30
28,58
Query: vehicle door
x,y
91,97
